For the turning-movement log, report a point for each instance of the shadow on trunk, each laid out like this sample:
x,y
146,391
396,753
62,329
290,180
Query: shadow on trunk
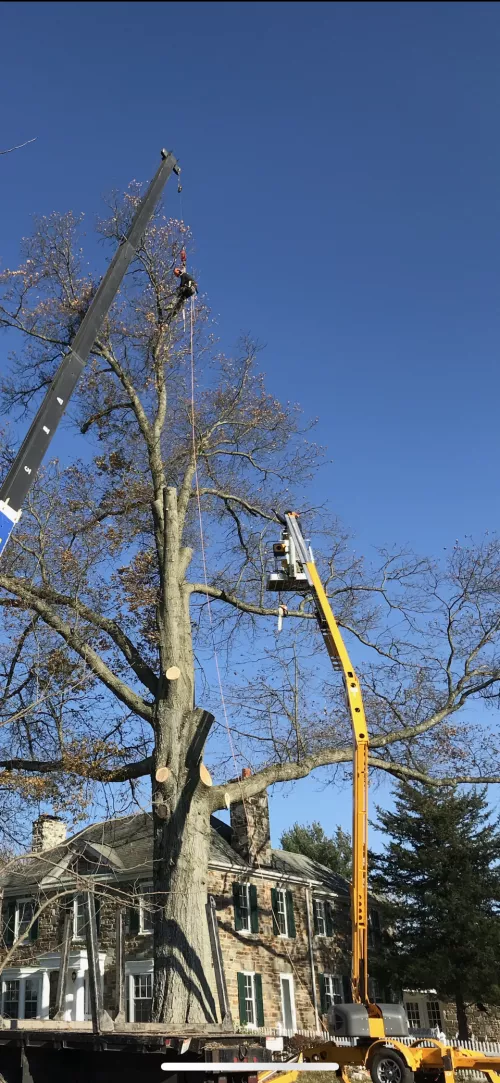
x,y
192,974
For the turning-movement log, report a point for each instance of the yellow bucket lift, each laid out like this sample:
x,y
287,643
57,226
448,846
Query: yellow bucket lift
x,y
375,1027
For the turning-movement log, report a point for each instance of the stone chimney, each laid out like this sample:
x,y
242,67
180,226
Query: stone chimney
x,y
251,836
48,831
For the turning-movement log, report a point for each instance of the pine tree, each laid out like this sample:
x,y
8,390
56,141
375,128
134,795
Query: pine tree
x,y
440,875
311,840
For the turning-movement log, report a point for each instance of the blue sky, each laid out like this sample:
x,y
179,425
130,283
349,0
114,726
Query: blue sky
x,y
341,174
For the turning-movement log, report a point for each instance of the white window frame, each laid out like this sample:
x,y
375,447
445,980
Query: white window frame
x,y
422,999
330,992
289,979
17,917
146,889
76,934
281,897
245,890
318,901
251,974
22,974
133,969
413,1006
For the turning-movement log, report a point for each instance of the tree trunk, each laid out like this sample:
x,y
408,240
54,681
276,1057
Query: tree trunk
x,y
463,1026
183,970
183,973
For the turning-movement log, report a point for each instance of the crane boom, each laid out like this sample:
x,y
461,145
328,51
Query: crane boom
x,y
24,469
298,571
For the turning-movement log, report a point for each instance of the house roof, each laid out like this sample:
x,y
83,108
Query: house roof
x,y
124,847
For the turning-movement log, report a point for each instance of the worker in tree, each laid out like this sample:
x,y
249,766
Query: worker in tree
x,y
187,283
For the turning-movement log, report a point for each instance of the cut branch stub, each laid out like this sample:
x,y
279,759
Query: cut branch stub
x,y
173,673
205,775
162,774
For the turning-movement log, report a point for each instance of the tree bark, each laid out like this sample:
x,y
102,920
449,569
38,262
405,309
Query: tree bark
x,y
183,974
463,1025
183,971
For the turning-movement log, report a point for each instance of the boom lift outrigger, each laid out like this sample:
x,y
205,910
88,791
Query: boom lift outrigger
x,y
367,1022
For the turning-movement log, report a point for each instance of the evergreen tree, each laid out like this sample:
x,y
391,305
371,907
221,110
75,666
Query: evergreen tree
x,y
440,876
311,840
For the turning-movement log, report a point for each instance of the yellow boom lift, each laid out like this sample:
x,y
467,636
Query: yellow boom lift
x,y
375,1027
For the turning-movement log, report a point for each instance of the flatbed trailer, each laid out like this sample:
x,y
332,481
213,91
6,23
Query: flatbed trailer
x,y
32,1051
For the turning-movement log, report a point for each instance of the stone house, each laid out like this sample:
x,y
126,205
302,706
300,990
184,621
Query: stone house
x,y
282,921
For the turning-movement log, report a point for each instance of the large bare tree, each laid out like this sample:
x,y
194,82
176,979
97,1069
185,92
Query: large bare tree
x,y
110,621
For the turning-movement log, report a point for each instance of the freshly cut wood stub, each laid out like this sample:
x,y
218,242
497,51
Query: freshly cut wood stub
x,y
205,775
227,800
173,673
162,774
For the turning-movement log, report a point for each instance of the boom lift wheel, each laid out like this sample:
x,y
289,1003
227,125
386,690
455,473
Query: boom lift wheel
x,y
389,1066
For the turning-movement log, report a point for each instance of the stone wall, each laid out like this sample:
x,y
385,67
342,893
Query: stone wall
x,y
263,952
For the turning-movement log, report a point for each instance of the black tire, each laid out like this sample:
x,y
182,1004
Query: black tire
x,y
389,1066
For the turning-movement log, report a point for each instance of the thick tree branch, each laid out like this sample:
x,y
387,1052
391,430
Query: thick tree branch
x,y
121,690
119,637
245,607
100,774
242,789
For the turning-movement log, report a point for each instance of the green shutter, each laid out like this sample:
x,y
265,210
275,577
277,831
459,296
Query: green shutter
x,y
346,989
133,920
322,993
238,924
290,917
9,921
259,1003
241,998
274,906
329,922
315,920
254,909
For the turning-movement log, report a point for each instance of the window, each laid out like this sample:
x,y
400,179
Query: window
x,y
287,1002
10,998
423,1010
434,1014
413,1013
146,909
143,997
246,912
319,917
323,918
332,991
250,999
25,911
282,910
17,917
20,997
31,998
79,916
